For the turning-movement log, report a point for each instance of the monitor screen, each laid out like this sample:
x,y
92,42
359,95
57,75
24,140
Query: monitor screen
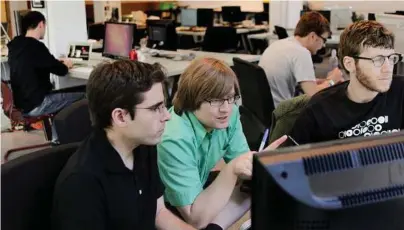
x,y
161,34
348,184
189,17
232,14
118,39
205,17
157,33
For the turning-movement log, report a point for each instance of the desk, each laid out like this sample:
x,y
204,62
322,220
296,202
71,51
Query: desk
x,y
80,75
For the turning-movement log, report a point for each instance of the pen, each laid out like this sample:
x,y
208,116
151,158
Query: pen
x,y
264,140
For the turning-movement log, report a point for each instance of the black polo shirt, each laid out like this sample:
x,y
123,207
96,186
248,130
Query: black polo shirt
x,y
96,191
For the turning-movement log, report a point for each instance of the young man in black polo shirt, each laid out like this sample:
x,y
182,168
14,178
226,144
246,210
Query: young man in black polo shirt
x,y
371,103
112,181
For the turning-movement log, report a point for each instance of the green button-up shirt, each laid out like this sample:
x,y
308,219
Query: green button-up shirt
x,y
187,153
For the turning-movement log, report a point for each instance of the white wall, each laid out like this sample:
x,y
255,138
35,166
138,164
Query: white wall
x,y
250,6
284,13
361,5
99,10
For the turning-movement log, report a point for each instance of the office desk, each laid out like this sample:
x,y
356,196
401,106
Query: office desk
x,y
80,75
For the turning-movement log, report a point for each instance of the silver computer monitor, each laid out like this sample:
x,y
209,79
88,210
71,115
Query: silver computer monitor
x,y
189,17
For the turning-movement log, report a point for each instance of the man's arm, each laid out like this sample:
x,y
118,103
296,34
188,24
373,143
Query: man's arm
x,y
78,204
165,220
47,61
312,87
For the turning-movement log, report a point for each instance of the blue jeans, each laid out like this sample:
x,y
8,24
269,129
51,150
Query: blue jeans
x,y
53,103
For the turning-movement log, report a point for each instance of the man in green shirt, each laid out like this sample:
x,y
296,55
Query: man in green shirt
x,y
204,128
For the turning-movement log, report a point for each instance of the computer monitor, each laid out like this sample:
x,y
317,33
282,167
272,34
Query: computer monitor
x,y
205,17
189,17
161,34
371,17
18,16
347,184
232,14
118,39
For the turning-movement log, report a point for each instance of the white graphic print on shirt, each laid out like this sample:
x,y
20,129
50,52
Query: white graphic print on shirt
x,y
370,127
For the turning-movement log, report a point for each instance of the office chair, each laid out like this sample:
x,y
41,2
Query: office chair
x,y
73,123
285,115
220,39
16,118
281,32
253,128
27,188
256,93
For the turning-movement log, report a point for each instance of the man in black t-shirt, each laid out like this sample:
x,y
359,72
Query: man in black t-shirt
x,y
112,181
371,103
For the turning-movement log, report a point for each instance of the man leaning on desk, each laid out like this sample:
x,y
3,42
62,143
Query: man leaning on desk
x,y
31,64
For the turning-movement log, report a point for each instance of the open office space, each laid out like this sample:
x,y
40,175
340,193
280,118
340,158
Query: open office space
x,y
202,115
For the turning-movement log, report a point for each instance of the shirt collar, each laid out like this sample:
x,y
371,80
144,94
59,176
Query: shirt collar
x,y
199,129
109,157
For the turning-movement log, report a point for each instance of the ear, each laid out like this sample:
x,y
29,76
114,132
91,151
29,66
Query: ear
x,y
349,64
312,35
118,117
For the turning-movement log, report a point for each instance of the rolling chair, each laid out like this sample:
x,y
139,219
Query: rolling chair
x,y
256,93
253,129
16,118
27,187
73,123
220,39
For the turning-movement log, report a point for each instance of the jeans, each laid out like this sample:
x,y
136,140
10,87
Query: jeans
x,y
53,103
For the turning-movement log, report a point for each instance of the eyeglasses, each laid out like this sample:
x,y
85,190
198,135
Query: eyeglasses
x,y
379,60
160,108
324,39
220,102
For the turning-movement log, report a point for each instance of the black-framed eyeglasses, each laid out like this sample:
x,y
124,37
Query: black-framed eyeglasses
x,y
379,60
160,108
324,39
220,102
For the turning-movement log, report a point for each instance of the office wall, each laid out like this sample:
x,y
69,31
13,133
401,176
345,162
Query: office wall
x,y
250,6
361,6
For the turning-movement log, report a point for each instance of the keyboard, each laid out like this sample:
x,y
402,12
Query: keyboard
x,y
78,61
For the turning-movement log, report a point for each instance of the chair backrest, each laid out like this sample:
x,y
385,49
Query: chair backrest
x,y
73,123
281,32
285,115
220,39
27,187
256,94
253,129
8,104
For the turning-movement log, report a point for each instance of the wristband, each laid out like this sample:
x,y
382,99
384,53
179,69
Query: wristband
x,y
331,82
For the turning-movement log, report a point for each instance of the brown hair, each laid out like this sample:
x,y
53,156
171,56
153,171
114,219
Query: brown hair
x,y
312,22
119,84
204,79
363,34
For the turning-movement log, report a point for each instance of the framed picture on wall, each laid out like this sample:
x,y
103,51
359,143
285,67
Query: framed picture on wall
x,y
37,4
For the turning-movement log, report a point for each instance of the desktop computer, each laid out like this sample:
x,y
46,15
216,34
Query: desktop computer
x,y
161,34
118,40
232,14
347,184
205,17
189,17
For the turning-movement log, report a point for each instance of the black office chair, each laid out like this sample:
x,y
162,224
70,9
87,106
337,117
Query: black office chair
x,y
281,32
253,129
220,39
27,188
73,123
256,94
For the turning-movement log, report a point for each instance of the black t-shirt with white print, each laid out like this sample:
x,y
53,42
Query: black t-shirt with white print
x,y
331,115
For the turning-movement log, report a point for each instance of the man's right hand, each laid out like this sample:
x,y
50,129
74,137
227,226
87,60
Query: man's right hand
x,y
242,165
67,63
336,76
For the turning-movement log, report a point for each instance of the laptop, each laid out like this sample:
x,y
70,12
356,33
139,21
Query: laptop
x,y
79,53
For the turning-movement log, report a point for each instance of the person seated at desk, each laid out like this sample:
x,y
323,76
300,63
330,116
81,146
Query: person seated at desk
x,y
205,128
112,181
371,103
287,62
31,64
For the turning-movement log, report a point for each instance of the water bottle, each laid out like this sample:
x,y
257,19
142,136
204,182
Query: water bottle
x,y
333,61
